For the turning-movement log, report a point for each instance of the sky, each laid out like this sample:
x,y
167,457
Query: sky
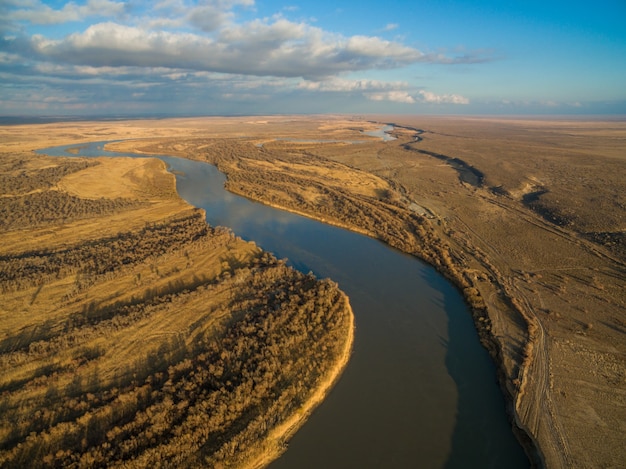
x,y
255,57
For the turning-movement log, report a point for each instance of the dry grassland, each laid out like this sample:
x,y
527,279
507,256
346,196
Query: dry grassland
x,y
544,237
526,217
133,334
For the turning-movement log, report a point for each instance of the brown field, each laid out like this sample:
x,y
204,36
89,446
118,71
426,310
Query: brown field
x,y
526,217
544,235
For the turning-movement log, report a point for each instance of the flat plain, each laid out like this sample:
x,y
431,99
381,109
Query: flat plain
x,y
526,216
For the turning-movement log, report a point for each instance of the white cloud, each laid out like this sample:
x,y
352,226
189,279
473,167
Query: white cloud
x,y
429,97
37,12
199,51
376,90
161,23
260,31
345,85
209,17
390,27
404,96
371,46
393,96
261,47
173,5
6,58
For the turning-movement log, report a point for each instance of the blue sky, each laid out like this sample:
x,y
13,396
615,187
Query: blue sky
x,y
221,57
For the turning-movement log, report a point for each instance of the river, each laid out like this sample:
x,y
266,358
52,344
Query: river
x,y
419,391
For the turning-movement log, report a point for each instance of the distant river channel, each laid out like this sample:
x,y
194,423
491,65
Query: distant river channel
x,y
419,390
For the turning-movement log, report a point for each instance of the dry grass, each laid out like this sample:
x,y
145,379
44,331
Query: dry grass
x,y
539,243
551,272
568,289
122,330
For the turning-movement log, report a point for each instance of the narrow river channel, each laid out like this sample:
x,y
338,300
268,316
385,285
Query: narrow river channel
x,y
419,391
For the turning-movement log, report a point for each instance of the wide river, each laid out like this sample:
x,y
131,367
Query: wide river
x,y
419,390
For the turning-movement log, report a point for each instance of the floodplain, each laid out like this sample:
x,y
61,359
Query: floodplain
x,y
525,217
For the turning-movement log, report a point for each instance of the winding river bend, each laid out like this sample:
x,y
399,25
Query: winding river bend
x,y
419,390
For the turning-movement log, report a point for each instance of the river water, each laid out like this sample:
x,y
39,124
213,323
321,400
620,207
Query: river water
x,y
384,133
419,390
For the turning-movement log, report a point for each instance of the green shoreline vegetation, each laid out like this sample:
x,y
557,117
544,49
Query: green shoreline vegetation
x,y
173,344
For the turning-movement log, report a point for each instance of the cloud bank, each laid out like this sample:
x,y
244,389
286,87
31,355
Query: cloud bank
x,y
196,50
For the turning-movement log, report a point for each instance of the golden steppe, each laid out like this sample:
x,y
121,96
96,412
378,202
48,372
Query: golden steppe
x,y
132,333
526,216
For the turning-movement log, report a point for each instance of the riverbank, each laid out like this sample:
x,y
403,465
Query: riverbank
x,y
555,301
279,176
541,314
289,176
276,441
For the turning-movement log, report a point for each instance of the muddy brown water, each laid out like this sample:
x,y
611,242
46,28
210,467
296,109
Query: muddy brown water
x,y
419,390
